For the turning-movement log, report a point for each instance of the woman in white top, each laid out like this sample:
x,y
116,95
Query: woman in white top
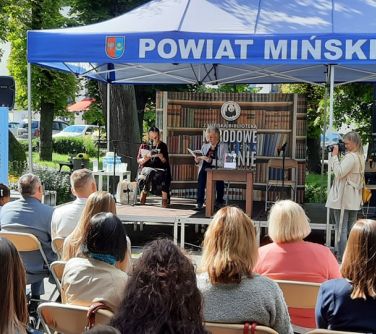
x,y
345,195
94,276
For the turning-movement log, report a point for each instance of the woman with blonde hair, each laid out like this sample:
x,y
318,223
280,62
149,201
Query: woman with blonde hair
x,y
349,303
232,292
289,257
345,195
13,315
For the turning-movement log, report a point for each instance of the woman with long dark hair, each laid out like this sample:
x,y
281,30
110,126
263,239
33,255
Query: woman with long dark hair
x,y
155,173
161,295
13,315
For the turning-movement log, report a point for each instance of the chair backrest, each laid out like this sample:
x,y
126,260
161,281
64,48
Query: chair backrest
x,y
221,328
57,245
328,331
299,294
69,319
277,164
57,269
24,242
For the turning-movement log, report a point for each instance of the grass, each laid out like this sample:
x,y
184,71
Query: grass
x,y
313,178
315,188
56,158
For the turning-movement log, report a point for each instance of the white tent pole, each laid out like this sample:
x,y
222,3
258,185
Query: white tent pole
x,y
29,116
331,101
108,115
331,96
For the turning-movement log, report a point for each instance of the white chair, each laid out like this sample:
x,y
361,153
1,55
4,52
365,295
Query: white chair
x,y
57,270
222,328
69,319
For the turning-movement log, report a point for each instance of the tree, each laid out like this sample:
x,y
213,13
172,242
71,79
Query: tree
x,y
352,105
125,125
51,89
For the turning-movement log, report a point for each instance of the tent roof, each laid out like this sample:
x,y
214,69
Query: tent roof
x,y
218,41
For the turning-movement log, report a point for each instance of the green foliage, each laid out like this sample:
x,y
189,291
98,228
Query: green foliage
x,y
94,115
52,179
315,188
25,144
149,115
230,88
17,156
74,145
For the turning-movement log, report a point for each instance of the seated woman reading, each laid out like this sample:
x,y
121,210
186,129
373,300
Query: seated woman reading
x,y
155,174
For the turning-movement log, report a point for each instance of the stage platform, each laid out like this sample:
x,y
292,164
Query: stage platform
x,y
187,226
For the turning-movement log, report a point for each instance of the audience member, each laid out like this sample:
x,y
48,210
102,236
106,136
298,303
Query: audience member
x,y
29,215
13,315
94,277
349,303
161,296
232,292
103,329
289,257
4,195
65,218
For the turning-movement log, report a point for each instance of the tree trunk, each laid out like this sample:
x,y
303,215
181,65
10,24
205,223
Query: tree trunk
x,y
314,161
124,126
46,121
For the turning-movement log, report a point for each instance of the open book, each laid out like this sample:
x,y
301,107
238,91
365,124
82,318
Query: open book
x,y
195,153
145,152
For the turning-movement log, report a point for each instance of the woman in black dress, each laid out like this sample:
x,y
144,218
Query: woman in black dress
x,y
155,174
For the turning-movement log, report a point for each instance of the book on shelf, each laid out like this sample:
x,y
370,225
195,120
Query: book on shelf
x,y
195,153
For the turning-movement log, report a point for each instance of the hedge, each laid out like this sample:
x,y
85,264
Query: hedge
x,y
74,145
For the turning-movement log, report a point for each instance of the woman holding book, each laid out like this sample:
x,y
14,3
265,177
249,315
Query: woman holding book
x,y
213,153
155,173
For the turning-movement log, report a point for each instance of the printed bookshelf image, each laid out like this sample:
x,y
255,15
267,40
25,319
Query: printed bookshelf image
x,y
278,119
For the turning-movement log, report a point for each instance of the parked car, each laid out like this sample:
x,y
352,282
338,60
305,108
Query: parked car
x,y
13,126
57,126
76,131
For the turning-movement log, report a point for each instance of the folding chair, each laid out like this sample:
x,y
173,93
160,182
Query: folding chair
x,y
57,269
69,319
57,246
275,178
328,331
301,295
222,328
27,242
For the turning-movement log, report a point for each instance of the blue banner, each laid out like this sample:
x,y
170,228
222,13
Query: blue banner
x,y
185,47
4,145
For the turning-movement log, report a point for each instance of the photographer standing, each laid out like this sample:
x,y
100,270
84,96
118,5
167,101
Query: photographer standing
x,y
345,195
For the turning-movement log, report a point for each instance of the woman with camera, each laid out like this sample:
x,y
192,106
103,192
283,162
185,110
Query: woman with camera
x,y
345,195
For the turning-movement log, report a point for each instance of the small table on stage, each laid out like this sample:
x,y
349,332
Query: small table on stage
x,y
231,175
122,175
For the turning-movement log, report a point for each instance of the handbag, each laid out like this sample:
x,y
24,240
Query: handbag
x,y
91,313
366,192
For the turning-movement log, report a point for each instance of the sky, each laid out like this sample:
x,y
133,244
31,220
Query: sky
x,y
4,59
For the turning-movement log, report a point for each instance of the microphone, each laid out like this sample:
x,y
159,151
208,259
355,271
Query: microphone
x,y
281,149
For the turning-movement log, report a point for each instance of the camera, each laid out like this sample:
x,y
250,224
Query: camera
x,y
341,147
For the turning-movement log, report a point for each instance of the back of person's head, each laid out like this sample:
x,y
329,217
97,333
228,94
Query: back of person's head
x,y
83,183
4,194
359,259
230,249
28,185
99,201
103,329
105,235
161,295
13,315
288,222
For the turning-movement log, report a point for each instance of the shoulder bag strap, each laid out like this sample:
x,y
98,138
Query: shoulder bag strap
x,y
93,309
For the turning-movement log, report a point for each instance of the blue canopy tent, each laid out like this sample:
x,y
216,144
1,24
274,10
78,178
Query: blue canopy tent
x,y
218,41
